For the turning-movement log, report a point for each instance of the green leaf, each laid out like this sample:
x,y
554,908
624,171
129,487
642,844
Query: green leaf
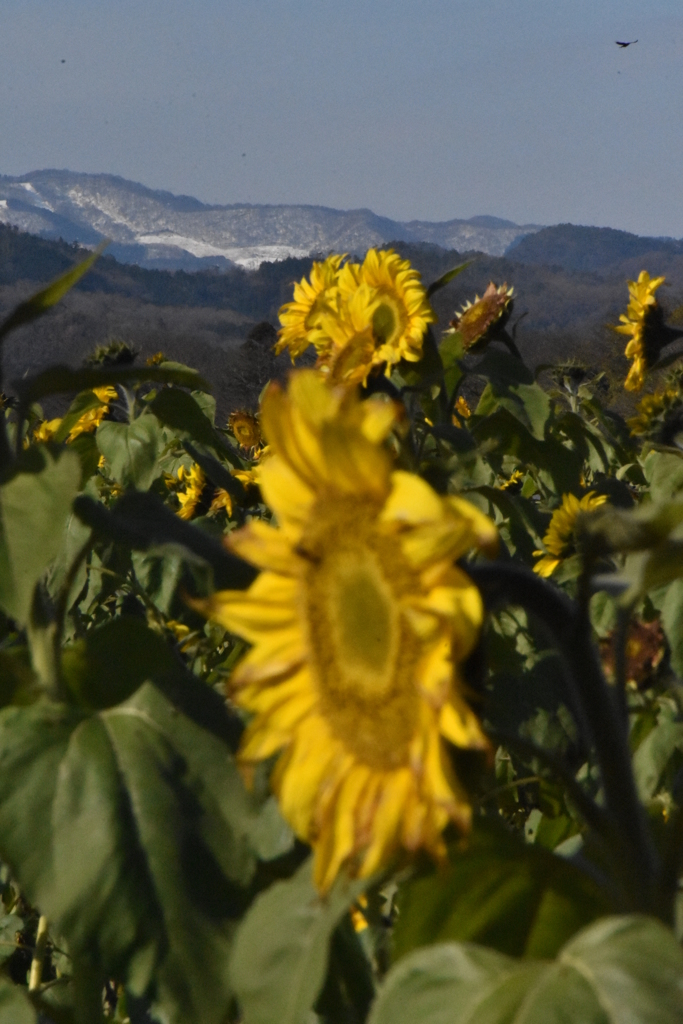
x,y
653,755
536,405
446,278
42,301
181,412
132,450
499,891
620,970
34,508
672,623
10,924
280,956
15,1005
131,831
664,474
60,379
113,661
141,521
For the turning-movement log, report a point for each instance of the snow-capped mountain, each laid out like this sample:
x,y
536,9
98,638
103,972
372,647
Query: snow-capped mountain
x,y
159,229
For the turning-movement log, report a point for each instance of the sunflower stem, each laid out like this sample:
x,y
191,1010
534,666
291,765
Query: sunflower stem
x,y
635,859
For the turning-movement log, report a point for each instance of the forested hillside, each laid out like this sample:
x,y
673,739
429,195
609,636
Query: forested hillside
x,y
205,318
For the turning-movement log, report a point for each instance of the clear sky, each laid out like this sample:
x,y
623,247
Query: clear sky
x,y
428,109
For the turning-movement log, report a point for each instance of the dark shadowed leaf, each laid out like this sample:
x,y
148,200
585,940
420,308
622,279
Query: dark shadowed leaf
x,y
501,892
446,278
64,379
183,414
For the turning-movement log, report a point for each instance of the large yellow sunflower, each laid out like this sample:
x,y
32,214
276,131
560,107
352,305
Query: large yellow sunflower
x,y
643,323
299,318
91,419
359,621
559,539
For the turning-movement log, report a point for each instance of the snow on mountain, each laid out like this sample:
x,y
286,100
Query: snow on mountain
x,y
159,229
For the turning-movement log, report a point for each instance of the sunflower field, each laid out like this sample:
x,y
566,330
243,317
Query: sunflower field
x,y
365,705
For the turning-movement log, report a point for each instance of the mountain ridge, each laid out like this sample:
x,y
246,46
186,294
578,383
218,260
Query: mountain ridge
x,y
158,229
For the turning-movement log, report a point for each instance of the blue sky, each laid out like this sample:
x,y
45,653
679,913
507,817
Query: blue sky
x,y
425,109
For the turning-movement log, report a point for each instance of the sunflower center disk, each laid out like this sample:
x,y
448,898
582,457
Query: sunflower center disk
x,y
362,653
386,321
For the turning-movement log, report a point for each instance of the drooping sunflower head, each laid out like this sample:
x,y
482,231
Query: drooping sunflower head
x,y
359,622
644,324
299,318
658,416
190,485
478,320
245,428
559,541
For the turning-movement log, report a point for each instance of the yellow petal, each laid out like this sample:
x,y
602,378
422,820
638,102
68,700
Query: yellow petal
x,y
286,493
412,500
387,820
265,547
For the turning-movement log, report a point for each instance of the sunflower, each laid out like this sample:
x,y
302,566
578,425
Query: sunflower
x,y
221,501
559,539
359,622
91,419
192,482
652,411
46,430
299,318
358,316
461,410
477,320
644,324
245,428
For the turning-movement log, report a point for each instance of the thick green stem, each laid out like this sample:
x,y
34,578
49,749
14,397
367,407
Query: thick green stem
x,y
36,973
635,858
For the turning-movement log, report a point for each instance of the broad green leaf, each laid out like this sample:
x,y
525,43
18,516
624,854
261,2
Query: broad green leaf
x,y
664,474
672,623
60,379
132,450
536,404
620,970
114,660
499,891
141,521
502,370
654,753
181,412
34,508
46,298
280,956
130,830
15,1005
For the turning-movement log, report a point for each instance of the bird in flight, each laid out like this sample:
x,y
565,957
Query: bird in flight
x,y
624,45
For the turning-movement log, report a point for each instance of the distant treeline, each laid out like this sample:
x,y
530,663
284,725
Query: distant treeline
x,y
204,318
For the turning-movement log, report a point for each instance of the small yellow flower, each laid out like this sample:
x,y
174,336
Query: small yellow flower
x,y
653,408
154,360
462,410
221,502
192,482
559,539
245,429
643,323
359,621
299,318
512,481
477,320
46,430
91,419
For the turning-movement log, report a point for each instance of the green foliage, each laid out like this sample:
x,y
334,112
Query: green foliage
x,y
168,885
619,970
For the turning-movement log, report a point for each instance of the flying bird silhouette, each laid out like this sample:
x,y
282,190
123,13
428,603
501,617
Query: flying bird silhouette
x,y
624,45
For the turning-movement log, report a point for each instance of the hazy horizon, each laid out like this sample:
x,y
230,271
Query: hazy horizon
x,y
434,112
